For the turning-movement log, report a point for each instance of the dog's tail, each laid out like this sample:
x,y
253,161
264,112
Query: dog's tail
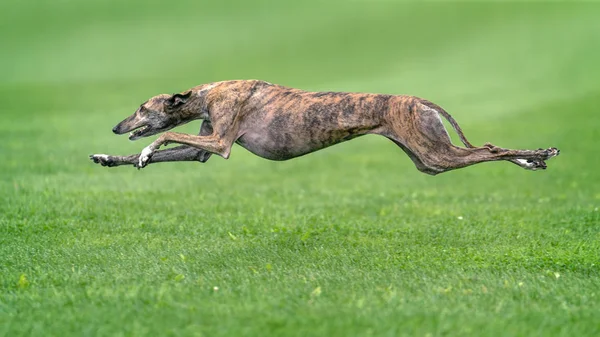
x,y
451,120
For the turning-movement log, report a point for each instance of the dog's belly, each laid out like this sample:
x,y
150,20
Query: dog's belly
x,y
288,145
283,147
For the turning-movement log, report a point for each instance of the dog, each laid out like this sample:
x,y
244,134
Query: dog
x,y
281,123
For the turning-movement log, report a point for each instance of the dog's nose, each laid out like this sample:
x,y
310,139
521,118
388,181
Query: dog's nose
x,y
116,129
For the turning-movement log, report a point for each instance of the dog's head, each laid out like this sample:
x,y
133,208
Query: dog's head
x,y
158,114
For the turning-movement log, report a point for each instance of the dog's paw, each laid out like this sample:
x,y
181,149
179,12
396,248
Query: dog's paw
x,y
102,159
552,152
145,156
547,153
533,165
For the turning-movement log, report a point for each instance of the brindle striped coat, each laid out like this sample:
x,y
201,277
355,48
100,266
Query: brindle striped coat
x,y
280,123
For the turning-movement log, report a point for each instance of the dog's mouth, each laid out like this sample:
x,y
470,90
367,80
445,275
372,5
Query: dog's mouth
x,y
139,132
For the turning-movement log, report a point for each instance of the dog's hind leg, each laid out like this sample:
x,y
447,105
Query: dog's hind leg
x,y
179,153
424,138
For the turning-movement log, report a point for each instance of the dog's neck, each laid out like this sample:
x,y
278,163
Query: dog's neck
x,y
197,105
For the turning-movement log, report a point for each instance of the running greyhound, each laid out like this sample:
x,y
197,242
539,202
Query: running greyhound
x,y
280,123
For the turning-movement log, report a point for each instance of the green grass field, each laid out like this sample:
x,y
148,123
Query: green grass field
x,y
348,241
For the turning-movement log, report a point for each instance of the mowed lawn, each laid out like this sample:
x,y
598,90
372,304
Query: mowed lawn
x,y
348,241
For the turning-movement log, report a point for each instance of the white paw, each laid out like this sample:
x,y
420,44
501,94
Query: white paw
x,y
145,156
100,156
529,165
533,165
102,159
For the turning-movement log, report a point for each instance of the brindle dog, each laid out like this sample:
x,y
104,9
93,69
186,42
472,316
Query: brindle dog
x,y
281,123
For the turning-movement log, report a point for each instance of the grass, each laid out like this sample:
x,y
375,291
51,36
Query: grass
x,y
348,241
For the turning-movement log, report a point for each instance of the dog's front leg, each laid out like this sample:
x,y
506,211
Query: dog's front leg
x,y
179,153
211,144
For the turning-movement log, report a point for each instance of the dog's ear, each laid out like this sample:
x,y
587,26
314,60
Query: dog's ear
x,y
178,99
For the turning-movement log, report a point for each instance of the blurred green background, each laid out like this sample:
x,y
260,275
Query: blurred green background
x,y
87,64
351,240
